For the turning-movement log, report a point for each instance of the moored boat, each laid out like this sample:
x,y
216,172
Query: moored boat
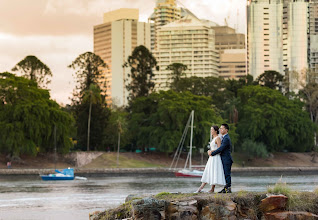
x,y
189,173
65,174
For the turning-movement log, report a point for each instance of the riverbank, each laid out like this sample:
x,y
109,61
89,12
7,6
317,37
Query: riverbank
x,y
108,160
240,205
166,171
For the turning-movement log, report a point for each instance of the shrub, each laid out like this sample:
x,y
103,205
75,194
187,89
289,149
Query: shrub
x,y
254,149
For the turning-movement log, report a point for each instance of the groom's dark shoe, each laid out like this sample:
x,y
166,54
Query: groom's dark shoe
x,y
222,191
226,190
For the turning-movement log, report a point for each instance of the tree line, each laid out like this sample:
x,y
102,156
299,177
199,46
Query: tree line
x,y
264,115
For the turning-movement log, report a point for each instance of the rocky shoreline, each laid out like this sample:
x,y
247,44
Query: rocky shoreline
x,y
167,171
240,205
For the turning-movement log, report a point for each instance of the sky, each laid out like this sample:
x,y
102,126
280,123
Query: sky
x,y
57,31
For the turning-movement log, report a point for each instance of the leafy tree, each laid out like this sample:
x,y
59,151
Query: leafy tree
x,y
141,63
28,118
271,79
177,71
233,85
34,69
118,125
89,68
159,120
89,105
92,95
209,86
271,118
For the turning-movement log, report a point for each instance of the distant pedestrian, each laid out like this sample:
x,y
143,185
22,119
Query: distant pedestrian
x,y
9,164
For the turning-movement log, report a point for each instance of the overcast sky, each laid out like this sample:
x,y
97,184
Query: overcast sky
x,y
57,31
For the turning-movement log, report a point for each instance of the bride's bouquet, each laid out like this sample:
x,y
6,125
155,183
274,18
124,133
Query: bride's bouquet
x,y
208,146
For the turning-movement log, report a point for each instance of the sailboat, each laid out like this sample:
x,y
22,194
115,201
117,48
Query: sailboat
x,y
187,171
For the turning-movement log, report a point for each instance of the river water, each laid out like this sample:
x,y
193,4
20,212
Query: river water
x,y
31,198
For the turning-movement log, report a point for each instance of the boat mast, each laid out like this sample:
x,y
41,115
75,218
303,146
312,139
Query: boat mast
x,y
55,147
190,153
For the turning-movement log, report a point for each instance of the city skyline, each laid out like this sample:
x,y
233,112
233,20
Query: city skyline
x,y
58,31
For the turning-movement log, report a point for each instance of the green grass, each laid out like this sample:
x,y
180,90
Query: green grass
x,y
109,160
280,188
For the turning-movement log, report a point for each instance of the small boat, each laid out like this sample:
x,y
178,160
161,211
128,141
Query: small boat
x,y
189,173
66,174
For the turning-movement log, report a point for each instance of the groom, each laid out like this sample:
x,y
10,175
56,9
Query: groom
x,y
225,151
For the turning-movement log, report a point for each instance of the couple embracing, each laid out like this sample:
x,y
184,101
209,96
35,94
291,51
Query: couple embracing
x,y
218,168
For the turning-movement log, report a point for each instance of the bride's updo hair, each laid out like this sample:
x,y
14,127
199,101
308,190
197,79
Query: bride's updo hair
x,y
216,128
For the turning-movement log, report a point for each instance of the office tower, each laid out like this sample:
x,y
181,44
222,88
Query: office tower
x,y
190,42
226,38
165,12
277,37
231,46
233,63
313,35
114,41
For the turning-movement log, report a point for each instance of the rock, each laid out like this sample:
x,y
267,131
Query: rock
x,y
216,211
290,215
148,208
273,202
183,210
132,197
94,215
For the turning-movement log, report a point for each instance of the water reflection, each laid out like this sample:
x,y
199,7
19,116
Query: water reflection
x,y
32,198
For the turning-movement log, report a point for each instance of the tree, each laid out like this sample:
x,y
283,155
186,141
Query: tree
x,y
34,69
89,68
28,117
271,118
92,95
141,63
159,120
177,71
116,127
271,79
209,86
90,115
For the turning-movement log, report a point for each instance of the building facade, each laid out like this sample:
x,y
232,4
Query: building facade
x,y
277,36
188,41
313,35
114,41
233,64
166,11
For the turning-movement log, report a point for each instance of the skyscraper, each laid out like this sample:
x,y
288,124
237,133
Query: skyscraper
x,y
277,36
313,35
165,12
188,41
114,41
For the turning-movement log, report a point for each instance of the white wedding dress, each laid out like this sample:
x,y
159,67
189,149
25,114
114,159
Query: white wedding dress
x,y
213,173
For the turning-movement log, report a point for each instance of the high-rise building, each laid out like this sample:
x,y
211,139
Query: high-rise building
x,y
278,37
231,46
313,35
233,63
188,41
165,12
114,41
226,38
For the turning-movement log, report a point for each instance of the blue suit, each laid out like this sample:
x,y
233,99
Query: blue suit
x,y
225,151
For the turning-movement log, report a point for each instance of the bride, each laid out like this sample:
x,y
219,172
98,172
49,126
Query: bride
x,y
213,173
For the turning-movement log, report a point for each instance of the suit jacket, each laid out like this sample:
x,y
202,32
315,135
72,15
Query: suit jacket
x,y
225,150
